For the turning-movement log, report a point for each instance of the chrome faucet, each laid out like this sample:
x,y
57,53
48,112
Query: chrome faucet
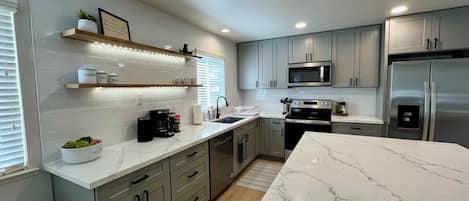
x,y
226,103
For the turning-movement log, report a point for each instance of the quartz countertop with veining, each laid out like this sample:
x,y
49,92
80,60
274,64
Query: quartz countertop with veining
x,y
332,167
124,158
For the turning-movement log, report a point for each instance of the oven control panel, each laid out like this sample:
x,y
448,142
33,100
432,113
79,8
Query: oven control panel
x,y
311,103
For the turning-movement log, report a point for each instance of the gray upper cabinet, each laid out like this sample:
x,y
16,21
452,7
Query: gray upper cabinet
x,y
450,29
355,56
266,63
410,33
310,48
248,65
280,63
434,31
299,49
367,44
343,58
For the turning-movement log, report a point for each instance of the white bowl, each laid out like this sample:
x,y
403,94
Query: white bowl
x,y
83,154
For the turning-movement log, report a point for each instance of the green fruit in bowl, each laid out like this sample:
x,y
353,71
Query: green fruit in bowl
x,y
69,145
87,139
82,143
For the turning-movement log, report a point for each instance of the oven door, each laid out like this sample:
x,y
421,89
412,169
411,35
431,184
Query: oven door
x,y
294,130
309,74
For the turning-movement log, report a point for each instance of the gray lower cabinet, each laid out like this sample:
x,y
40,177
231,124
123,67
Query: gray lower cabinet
x,y
244,146
151,183
248,65
358,129
190,175
271,137
433,31
356,56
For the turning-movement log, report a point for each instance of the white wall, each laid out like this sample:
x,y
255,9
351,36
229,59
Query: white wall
x,y
359,101
110,114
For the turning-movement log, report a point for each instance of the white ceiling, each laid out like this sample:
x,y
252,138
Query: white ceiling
x,y
262,19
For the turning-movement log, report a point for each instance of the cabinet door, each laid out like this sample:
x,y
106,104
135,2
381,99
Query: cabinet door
x,y
367,54
252,133
280,63
248,65
157,191
343,58
266,64
410,33
276,138
451,29
321,47
261,139
299,49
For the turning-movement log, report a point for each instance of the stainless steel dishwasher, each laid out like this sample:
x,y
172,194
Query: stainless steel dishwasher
x,y
221,163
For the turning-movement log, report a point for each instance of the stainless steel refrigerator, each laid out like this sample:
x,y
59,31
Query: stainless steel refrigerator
x,y
429,100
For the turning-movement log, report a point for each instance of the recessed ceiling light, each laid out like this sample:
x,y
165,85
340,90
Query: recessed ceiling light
x,y
399,9
225,30
300,25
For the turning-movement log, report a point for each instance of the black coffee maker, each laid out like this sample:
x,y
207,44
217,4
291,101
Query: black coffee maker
x,y
164,125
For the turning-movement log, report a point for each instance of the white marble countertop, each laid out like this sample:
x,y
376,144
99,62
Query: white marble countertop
x,y
346,167
358,119
121,159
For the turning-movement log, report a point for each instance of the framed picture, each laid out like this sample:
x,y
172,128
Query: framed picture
x,y
113,26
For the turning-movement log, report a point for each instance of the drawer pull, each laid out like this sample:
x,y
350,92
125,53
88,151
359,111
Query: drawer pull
x,y
147,195
196,199
192,154
140,180
137,197
193,174
355,128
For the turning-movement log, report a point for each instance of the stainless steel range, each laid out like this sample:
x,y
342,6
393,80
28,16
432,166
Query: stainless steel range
x,y
306,115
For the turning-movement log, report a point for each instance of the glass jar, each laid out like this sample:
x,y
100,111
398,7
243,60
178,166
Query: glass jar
x,y
86,74
101,77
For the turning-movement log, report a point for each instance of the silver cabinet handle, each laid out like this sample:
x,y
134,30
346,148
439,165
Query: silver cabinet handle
x,y
257,84
426,110
436,43
428,44
306,56
356,82
433,111
271,84
311,56
275,83
351,82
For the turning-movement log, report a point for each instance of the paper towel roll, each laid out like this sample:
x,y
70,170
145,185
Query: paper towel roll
x,y
197,114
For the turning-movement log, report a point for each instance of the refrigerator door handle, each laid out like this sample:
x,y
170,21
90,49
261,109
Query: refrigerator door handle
x,y
426,111
432,112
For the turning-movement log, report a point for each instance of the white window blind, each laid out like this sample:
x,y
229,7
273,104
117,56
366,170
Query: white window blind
x,y
12,142
210,74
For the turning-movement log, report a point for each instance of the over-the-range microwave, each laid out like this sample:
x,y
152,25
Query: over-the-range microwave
x,y
310,74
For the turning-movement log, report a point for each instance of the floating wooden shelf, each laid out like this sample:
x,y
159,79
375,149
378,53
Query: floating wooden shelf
x,y
86,36
81,86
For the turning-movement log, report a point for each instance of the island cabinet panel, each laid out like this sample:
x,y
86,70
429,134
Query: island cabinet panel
x,y
244,146
358,129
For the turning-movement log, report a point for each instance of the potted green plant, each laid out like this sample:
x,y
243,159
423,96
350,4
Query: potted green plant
x,y
87,22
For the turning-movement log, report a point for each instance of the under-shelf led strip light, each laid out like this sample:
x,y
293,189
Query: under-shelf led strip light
x,y
144,52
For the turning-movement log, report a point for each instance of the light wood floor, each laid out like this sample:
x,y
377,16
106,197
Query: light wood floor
x,y
238,193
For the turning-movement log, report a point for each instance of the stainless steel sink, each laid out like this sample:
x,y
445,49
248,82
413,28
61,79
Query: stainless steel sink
x,y
228,120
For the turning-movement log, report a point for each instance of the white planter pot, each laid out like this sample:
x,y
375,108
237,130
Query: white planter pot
x,y
81,155
87,25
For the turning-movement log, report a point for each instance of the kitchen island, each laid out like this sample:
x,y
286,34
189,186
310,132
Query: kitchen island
x,y
345,167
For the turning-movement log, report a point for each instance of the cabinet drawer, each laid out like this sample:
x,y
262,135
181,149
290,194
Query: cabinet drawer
x,y
277,123
200,192
121,187
189,155
357,129
192,174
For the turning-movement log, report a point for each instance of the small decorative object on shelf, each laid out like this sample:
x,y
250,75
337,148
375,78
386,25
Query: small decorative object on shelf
x,y
113,26
87,22
112,78
185,49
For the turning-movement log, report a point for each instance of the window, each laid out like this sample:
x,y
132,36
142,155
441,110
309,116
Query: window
x,y
12,138
210,74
